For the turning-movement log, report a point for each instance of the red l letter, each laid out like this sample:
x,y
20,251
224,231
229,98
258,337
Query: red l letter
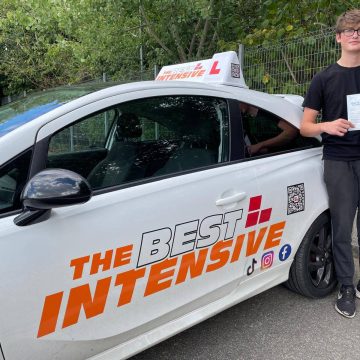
x,y
214,70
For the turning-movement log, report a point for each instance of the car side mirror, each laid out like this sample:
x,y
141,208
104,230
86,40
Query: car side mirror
x,y
51,188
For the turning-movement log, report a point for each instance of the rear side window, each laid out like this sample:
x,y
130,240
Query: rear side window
x,y
147,138
266,133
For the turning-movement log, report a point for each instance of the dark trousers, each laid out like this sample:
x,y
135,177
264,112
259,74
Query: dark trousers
x,y
342,179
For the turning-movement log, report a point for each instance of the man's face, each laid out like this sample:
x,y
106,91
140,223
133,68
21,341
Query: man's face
x,y
348,42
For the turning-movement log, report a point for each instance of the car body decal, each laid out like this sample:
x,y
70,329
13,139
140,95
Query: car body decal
x,y
296,198
167,257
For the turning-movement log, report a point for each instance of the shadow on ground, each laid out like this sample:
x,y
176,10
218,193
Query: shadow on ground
x,y
276,324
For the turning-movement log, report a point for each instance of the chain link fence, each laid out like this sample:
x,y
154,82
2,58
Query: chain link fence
x,y
288,67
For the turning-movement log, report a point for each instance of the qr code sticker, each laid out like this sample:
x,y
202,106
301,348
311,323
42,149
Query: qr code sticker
x,y
296,198
235,70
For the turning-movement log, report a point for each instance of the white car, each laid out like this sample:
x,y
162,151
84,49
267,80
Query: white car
x,y
132,212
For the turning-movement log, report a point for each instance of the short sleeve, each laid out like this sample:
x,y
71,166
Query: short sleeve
x,y
314,96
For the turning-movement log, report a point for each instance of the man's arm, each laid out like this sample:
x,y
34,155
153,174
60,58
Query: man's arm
x,y
309,127
288,133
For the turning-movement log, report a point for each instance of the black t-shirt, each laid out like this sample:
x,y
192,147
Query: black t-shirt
x,y
327,93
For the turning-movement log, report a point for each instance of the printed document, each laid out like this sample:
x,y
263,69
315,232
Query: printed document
x,y
353,109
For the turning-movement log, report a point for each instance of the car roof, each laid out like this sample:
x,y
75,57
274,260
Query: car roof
x,y
277,105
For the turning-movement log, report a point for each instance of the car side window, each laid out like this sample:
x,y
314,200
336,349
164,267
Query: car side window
x,y
266,133
148,138
83,135
80,146
13,177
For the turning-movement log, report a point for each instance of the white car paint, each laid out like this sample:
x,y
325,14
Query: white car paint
x,y
35,260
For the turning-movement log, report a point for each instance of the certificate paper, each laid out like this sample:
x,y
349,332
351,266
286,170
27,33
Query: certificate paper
x,y
353,109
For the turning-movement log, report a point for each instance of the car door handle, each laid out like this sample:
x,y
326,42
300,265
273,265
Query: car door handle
x,y
231,199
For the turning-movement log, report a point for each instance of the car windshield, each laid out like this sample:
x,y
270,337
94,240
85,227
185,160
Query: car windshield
x,y
32,106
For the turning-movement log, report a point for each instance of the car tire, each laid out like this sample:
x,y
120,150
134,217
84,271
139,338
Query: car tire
x,y
312,272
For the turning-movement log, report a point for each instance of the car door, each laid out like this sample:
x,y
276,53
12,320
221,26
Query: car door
x,y
163,235
289,176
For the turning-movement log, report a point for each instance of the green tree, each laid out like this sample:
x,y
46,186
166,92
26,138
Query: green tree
x,y
36,48
45,43
179,31
284,19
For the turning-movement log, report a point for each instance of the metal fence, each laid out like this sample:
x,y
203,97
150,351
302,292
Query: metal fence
x,y
283,67
288,67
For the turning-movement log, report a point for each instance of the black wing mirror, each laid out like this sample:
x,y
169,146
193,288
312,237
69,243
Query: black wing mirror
x,y
49,189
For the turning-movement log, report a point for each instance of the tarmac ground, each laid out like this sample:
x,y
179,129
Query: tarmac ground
x,y
275,325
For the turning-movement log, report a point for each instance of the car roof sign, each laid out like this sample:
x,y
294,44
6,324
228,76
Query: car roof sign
x,y
224,68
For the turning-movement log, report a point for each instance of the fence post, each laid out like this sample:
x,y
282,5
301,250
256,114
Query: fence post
x,y
155,71
241,56
106,118
71,138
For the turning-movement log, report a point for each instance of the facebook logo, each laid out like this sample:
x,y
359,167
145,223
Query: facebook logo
x,y
285,252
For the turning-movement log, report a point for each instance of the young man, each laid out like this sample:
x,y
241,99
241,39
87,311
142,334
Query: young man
x,y
328,93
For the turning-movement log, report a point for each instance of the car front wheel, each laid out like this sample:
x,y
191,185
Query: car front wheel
x,y
312,273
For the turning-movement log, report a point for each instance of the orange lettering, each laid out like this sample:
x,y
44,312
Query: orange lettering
x,y
50,314
189,263
274,236
122,255
97,261
252,244
237,248
156,275
80,296
128,280
219,255
79,266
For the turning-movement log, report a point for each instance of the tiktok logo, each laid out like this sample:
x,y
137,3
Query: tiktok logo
x,y
251,268
285,252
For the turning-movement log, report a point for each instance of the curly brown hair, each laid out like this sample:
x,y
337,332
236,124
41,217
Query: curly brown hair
x,y
348,19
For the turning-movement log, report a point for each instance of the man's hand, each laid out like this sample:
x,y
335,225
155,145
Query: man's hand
x,y
254,148
257,149
310,127
337,127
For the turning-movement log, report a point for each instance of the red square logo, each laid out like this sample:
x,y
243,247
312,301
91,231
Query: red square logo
x,y
265,215
255,203
252,219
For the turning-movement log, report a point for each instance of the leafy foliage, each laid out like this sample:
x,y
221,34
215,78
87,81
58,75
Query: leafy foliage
x,y
45,43
284,19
